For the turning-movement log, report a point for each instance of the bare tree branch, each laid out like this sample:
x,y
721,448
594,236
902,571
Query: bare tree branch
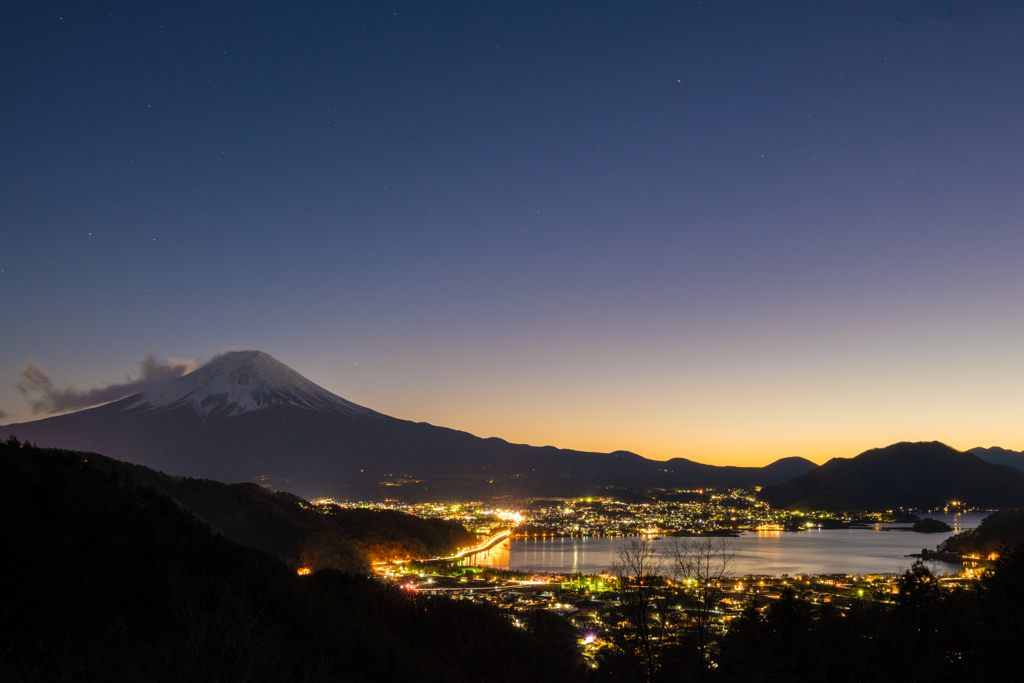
x,y
701,565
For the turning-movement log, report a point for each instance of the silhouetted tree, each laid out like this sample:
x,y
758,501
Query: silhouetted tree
x,y
700,565
638,569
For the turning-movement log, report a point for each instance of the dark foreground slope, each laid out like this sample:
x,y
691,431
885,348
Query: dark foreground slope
x,y
922,475
108,581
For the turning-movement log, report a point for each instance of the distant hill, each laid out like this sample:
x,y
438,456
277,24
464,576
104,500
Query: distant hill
x,y
246,417
1000,456
923,475
288,527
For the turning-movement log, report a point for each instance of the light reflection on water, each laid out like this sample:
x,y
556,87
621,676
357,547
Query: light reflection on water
x,y
817,551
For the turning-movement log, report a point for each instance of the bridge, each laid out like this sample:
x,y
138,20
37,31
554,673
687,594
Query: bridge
x,y
490,542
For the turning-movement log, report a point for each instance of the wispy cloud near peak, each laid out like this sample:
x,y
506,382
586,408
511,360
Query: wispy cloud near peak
x,y
45,397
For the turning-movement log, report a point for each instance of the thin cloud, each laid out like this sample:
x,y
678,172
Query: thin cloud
x,y
45,397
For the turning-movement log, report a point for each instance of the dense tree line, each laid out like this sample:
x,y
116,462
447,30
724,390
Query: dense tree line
x,y
928,635
107,580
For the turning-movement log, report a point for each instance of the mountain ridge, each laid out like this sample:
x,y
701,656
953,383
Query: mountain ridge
x,y
1000,456
922,475
305,439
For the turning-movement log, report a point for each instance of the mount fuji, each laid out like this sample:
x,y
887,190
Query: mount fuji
x,y
242,382
245,416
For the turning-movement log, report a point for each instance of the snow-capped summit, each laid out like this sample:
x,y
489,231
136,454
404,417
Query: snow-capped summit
x,y
241,382
245,417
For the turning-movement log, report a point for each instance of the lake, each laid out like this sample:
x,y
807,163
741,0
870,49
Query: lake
x,y
818,551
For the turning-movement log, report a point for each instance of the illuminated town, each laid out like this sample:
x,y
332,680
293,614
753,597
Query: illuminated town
x,y
594,604
699,512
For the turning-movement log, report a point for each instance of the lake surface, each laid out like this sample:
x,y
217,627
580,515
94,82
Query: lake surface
x,y
818,551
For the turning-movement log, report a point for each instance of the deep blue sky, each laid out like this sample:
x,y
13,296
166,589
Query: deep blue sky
x,y
727,231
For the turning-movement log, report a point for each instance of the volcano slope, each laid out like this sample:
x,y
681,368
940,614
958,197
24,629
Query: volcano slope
x,y
246,417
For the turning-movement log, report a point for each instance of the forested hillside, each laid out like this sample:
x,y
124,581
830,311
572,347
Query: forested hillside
x,y
106,580
289,527
997,533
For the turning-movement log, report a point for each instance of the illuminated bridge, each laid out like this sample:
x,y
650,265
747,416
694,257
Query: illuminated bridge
x,y
491,541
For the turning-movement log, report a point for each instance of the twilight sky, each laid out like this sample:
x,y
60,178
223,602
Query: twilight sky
x,y
727,231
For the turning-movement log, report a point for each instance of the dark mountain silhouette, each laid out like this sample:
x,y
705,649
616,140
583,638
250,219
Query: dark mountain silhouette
x,y
247,417
1000,456
923,475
